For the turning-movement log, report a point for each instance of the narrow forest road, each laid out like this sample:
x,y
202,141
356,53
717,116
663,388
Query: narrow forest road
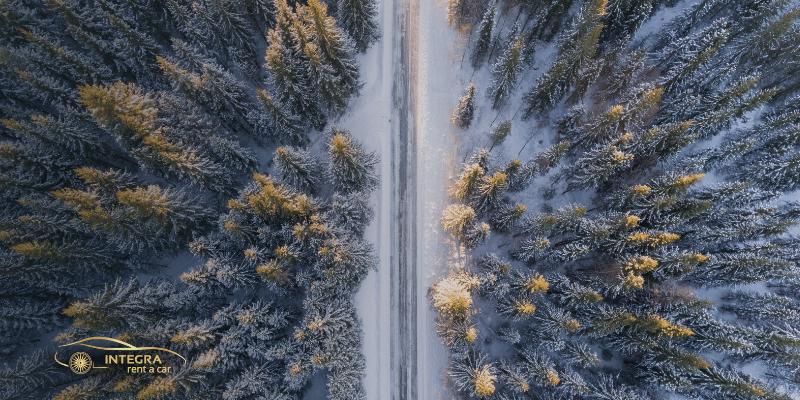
x,y
403,241
395,116
425,149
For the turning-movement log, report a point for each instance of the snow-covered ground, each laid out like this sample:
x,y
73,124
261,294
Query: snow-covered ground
x,y
369,120
438,83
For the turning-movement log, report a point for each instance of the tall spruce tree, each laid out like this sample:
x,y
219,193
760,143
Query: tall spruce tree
x,y
358,19
577,51
483,43
289,66
334,51
465,109
506,70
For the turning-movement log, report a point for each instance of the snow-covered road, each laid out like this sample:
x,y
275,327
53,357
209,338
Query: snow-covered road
x,y
402,114
371,120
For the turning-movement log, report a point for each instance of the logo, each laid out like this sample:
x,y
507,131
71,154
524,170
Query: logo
x,y
80,362
99,352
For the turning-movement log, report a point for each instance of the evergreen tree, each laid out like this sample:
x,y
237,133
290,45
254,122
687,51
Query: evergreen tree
x,y
275,121
214,87
506,217
467,182
133,49
626,16
475,376
458,219
351,167
70,132
351,212
500,133
598,165
171,210
684,57
358,19
289,66
506,70
297,167
577,51
78,68
485,34
335,51
465,109
132,116
490,190
550,16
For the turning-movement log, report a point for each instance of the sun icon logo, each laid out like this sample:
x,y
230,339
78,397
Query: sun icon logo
x,y
80,363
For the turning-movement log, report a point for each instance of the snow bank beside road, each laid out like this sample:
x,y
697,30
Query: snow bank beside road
x,y
369,120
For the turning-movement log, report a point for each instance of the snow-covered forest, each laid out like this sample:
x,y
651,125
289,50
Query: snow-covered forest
x,y
262,187
625,218
172,175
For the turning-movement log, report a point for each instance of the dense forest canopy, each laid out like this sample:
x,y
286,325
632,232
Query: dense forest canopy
x,y
650,252
158,188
